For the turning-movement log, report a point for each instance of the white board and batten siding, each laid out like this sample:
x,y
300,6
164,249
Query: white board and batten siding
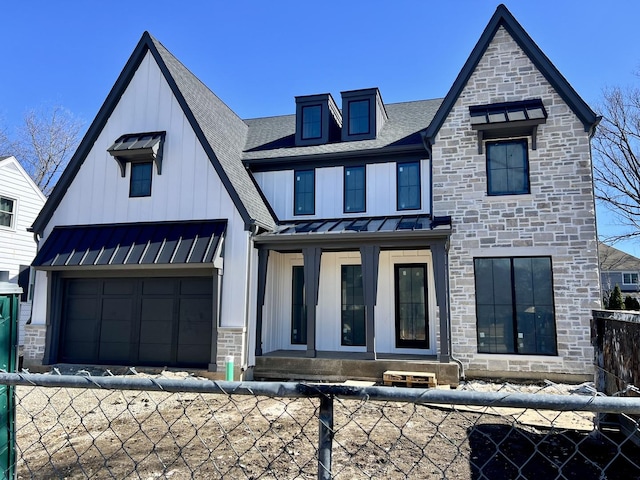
x,y
188,188
276,331
17,245
381,192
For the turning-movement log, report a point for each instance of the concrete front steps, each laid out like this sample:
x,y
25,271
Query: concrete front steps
x,y
331,367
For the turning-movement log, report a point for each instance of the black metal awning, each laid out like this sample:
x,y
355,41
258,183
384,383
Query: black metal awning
x,y
160,243
346,232
136,147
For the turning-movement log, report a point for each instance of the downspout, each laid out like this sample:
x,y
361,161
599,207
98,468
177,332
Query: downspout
x,y
252,232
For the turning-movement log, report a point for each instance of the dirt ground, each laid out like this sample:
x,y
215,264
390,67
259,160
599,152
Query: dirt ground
x,y
68,433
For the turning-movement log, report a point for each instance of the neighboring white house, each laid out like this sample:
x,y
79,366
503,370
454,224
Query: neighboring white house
x,y
20,202
334,242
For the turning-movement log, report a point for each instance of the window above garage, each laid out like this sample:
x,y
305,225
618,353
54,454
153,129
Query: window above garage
x,y
508,120
137,148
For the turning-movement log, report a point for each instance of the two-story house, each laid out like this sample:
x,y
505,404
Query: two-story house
x,y
618,268
20,203
336,242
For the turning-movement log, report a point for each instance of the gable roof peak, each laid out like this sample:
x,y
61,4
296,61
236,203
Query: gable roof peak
x,y
502,17
220,131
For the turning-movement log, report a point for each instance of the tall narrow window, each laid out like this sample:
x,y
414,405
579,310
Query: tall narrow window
x,y
411,306
507,168
298,308
514,305
354,189
311,122
359,117
7,211
304,192
353,322
141,174
408,179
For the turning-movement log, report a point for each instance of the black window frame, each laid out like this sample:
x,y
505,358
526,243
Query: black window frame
x,y
298,196
517,337
11,214
490,145
350,116
147,182
399,186
400,343
346,173
352,313
298,306
304,110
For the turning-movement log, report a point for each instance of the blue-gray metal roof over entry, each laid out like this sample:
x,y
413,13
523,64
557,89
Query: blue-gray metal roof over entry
x,y
159,243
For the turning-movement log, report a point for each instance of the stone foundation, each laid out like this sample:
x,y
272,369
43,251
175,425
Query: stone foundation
x,y
34,341
231,342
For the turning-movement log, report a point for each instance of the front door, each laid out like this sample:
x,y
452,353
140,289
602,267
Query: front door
x,y
411,305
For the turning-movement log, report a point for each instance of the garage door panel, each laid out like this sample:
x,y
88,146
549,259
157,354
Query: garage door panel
x,y
195,333
115,331
193,354
81,309
81,351
158,286
119,308
115,352
156,332
83,287
119,287
138,321
195,310
152,354
196,286
82,330
157,309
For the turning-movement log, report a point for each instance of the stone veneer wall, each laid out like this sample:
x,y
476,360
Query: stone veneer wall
x,y
231,342
557,219
34,340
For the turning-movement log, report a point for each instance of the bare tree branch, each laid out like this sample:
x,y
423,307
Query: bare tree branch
x,y
616,149
45,143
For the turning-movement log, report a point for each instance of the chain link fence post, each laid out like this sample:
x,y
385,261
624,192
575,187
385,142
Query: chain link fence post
x,y
325,438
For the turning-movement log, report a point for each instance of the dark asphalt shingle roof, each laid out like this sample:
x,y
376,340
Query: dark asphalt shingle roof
x,y
614,260
274,137
225,132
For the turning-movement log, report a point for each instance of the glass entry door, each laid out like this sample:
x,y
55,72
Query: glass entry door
x,y
411,306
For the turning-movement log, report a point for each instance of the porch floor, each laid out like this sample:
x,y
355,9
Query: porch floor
x,y
340,366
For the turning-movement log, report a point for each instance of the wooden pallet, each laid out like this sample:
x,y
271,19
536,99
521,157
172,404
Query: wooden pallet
x,y
427,379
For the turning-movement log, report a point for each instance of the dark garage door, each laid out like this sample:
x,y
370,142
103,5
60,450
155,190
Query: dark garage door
x,y
137,321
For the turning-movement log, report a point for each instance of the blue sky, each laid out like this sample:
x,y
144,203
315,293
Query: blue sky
x,y
256,56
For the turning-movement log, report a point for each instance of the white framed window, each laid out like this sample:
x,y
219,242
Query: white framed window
x,y
7,212
630,278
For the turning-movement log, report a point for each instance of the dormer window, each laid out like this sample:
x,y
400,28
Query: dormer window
x,y
318,120
364,114
311,122
359,119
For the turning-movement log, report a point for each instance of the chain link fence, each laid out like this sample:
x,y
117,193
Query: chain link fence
x,y
176,426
